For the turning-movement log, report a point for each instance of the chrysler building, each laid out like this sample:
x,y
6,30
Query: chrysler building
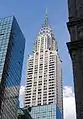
x,y
43,91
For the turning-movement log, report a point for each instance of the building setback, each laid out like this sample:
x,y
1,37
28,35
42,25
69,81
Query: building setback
x,y
12,44
43,90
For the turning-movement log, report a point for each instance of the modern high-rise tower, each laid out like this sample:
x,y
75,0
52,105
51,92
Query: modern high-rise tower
x,y
12,43
43,90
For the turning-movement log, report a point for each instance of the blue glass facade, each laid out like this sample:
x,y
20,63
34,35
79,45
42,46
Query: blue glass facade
x,y
50,111
16,60
59,115
44,112
5,29
12,44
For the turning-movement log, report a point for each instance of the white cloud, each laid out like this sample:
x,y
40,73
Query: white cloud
x,y
68,101
21,96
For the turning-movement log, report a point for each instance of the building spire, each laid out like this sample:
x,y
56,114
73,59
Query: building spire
x,y
46,18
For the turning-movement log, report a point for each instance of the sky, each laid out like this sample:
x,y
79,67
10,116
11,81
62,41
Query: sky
x,y
30,15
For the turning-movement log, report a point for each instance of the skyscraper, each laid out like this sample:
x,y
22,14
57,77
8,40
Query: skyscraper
x,y
75,46
43,90
12,43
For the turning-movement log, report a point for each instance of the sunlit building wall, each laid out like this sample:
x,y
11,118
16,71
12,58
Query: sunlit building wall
x,y
43,90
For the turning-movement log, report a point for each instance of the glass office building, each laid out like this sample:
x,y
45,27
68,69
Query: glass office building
x,y
50,111
12,44
24,113
43,90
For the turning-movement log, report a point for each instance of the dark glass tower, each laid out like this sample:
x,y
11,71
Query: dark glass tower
x,y
12,44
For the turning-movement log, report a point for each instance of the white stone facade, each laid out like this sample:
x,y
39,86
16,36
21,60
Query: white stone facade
x,y
44,77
